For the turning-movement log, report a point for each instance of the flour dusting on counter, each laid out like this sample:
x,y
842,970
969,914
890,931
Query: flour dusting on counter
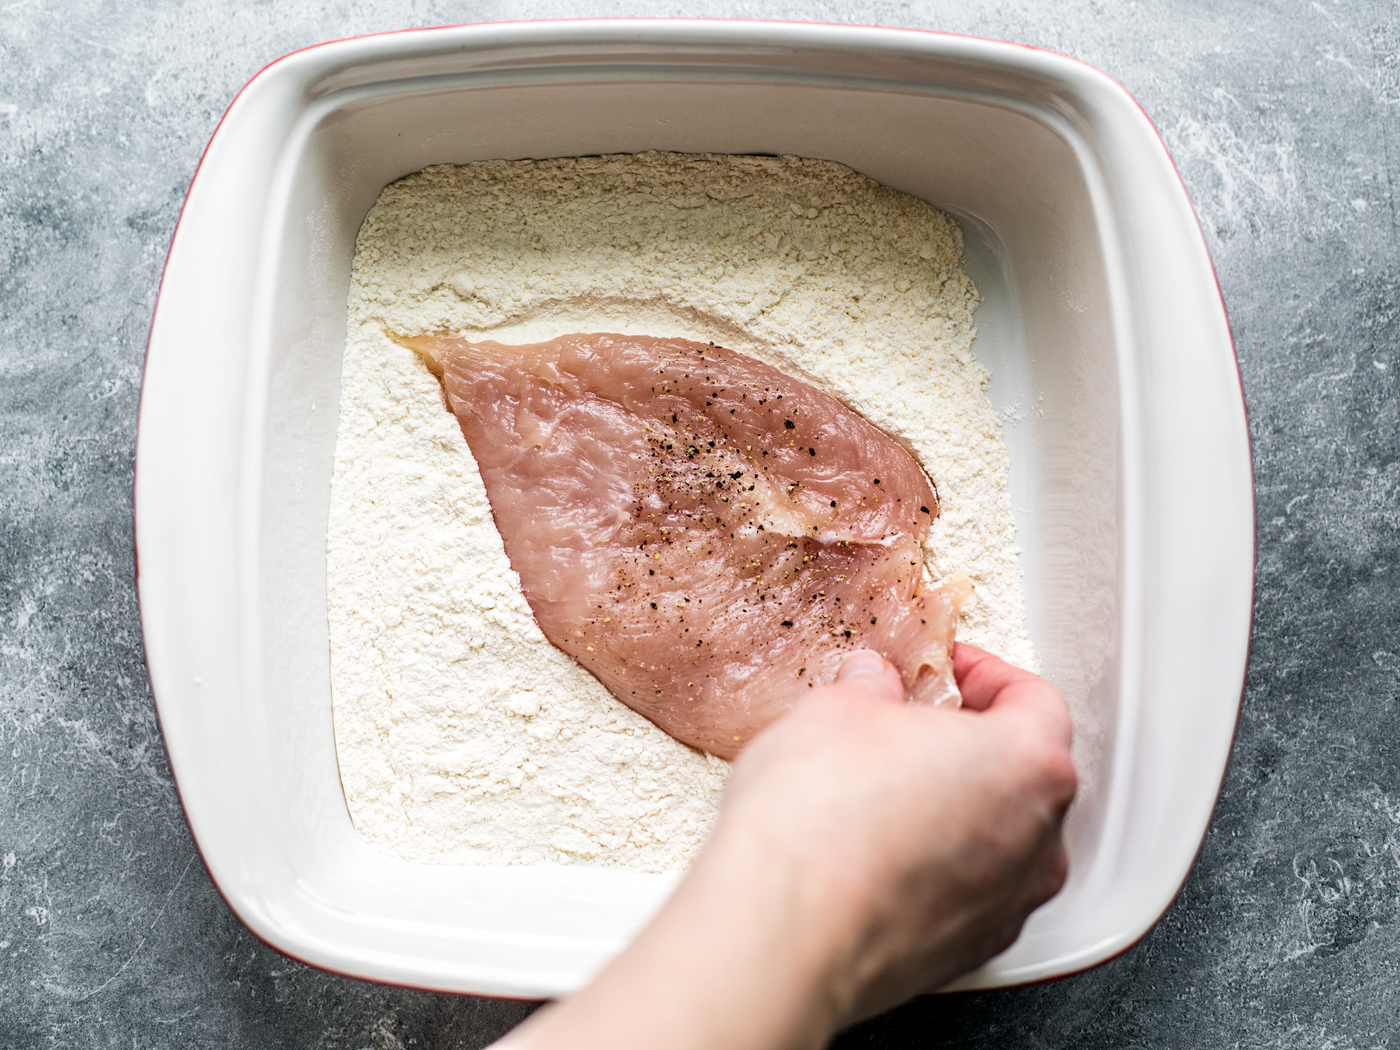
x,y
463,736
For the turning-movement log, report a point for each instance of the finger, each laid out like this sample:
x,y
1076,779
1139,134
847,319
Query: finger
x,y
980,673
869,672
989,683
1033,699
966,658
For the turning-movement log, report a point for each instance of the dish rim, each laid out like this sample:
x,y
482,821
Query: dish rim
x,y
352,52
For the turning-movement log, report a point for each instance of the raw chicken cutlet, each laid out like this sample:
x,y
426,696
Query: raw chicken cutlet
x,y
706,535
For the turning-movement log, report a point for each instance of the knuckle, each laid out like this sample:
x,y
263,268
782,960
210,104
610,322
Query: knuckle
x,y
1046,765
1057,871
1061,777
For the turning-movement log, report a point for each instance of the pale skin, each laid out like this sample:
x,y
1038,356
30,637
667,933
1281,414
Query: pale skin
x,y
867,851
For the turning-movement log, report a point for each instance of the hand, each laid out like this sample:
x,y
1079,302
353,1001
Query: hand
x,y
867,851
924,836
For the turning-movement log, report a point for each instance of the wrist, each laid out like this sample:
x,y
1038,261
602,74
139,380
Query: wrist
x,y
782,933
745,955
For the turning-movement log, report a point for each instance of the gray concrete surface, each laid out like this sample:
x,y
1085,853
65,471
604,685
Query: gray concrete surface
x,y
1285,121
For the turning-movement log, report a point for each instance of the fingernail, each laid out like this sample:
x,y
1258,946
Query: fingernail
x,y
866,661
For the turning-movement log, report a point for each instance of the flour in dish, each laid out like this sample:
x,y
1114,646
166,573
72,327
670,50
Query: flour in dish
x,y
462,734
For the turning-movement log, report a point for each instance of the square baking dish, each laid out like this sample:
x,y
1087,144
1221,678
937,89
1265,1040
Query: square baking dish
x,y
1102,326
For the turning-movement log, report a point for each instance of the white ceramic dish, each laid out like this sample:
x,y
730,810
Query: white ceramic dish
x,y
1102,326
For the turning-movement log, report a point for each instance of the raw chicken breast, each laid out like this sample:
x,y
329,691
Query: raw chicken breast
x,y
706,535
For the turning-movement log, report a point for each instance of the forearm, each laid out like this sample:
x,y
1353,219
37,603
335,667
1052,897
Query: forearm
x,y
740,957
867,851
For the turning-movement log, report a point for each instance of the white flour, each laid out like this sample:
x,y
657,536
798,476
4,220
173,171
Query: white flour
x,y
463,735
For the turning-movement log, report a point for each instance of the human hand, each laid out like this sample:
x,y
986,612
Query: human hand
x,y
867,851
922,837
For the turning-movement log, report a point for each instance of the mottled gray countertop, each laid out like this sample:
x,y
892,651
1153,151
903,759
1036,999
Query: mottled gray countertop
x,y
1285,121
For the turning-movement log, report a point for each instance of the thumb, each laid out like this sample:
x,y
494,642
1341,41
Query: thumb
x,y
870,673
